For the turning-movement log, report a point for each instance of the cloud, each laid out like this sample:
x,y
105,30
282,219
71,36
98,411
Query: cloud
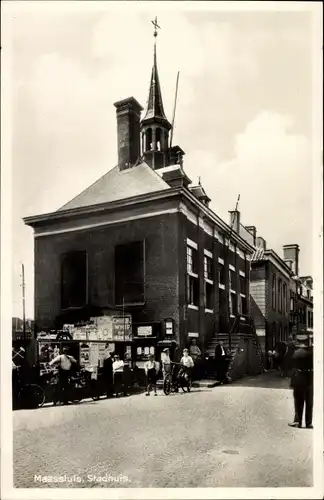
x,y
272,172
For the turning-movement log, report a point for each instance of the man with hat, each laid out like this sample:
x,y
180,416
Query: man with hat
x,y
302,382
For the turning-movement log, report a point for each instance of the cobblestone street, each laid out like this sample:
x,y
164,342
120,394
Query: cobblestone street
x,y
233,435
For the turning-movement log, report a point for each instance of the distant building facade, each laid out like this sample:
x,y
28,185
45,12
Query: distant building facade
x,y
305,306
281,302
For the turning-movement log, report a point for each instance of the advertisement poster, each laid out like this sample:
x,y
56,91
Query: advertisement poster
x,y
94,354
84,354
47,352
122,328
104,332
144,331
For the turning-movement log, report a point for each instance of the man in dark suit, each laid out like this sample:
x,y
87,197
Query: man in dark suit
x,y
302,383
221,360
108,374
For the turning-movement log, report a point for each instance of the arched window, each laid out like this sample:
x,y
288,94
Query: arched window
x,y
148,142
158,136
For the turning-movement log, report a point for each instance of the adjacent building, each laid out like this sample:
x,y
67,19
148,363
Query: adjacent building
x,y
281,302
305,306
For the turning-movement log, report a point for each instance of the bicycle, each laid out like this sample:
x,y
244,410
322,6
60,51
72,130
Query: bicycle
x,y
31,396
172,381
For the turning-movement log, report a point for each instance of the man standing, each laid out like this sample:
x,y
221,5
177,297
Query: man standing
x,y
221,361
302,383
64,362
195,354
108,374
118,369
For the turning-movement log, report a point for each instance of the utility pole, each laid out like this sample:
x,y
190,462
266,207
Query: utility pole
x,y
124,318
23,298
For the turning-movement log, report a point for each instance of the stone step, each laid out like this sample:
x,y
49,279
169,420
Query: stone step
x,y
208,383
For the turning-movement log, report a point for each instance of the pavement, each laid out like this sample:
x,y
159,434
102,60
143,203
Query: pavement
x,y
228,436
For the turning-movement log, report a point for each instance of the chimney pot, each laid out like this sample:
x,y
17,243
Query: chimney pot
x,y
253,231
128,113
291,252
235,217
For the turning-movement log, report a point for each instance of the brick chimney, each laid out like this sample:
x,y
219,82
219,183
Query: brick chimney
x,y
291,252
252,230
261,243
128,113
235,219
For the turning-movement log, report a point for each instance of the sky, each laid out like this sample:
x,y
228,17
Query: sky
x,y
244,110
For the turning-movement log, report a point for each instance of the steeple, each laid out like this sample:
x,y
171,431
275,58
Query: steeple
x,y
155,126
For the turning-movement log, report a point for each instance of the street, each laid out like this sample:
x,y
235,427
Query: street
x,y
235,435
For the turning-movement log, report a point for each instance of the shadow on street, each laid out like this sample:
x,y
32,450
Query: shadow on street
x,y
269,380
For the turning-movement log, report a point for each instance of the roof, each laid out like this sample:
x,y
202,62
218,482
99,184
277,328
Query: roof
x,y
258,254
155,107
118,185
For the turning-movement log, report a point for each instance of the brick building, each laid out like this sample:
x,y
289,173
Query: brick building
x,y
281,302
305,306
144,240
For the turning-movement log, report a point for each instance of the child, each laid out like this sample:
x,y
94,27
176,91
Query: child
x,y
151,370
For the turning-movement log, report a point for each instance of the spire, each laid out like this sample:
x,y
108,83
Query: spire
x,y
155,108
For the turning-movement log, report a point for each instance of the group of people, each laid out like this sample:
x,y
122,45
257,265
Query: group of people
x,y
153,368
116,374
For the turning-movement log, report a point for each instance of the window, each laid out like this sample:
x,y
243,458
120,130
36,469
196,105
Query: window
x,y
308,294
129,273
292,302
280,332
193,282
232,279
244,309
222,275
209,296
192,260
193,291
208,268
233,303
273,291
209,284
279,295
243,285
74,279
285,298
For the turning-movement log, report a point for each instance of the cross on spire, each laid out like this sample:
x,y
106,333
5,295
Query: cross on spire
x,y
155,24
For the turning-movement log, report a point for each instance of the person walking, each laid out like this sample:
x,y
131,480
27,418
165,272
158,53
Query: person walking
x,y
65,363
151,371
302,384
221,361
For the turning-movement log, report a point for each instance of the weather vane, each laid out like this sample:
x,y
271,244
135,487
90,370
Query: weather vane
x,y
155,24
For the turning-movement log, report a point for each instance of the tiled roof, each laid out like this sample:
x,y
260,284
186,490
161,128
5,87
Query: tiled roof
x,y
258,254
118,185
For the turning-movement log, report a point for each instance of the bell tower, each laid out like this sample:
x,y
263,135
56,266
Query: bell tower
x,y
155,127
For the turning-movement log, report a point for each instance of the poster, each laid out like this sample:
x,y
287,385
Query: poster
x,y
84,354
144,331
101,353
122,328
94,354
47,351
